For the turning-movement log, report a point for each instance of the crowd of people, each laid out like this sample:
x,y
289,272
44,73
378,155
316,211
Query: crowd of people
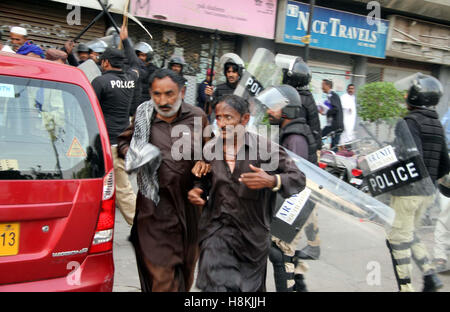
x,y
217,213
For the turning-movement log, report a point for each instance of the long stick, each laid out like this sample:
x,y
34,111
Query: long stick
x,y
99,16
113,22
308,33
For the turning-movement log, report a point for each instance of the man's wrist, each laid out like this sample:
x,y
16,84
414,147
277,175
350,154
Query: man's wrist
x,y
277,183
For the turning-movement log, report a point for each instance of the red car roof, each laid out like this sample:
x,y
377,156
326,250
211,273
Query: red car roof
x,y
31,67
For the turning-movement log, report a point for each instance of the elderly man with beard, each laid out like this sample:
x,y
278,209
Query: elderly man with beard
x,y
164,232
234,229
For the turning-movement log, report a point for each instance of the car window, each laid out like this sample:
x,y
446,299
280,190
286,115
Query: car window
x,y
47,131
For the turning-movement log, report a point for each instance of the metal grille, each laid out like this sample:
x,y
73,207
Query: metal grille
x,y
196,47
46,22
374,74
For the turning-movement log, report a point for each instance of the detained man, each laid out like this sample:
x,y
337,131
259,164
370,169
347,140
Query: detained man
x,y
234,228
164,232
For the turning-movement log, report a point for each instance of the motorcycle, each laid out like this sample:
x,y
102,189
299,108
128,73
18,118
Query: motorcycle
x,y
343,163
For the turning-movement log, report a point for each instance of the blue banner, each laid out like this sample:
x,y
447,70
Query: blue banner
x,y
336,30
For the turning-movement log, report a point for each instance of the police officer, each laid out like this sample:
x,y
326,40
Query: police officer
x,y
299,76
232,69
177,64
144,52
114,91
137,60
296,136
83,53
428,134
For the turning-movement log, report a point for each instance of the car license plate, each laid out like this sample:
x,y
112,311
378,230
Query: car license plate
x,y
9,239
356,181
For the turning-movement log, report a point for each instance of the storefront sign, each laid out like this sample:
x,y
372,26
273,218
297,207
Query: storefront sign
x,y
332,30
252,18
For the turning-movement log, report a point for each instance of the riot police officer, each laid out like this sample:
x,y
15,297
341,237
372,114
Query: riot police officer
x,y
428,134
144,52
296,136
233,67
299,76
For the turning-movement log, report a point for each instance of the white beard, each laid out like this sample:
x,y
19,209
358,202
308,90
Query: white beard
x,y
176,106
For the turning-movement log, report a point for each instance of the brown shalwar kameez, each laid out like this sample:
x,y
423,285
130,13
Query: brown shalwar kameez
x,y
234,228
165,236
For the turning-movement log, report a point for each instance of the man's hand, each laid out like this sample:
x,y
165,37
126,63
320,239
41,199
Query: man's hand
x,y
195,198
200,169
123,33
258,179
209,90
69,45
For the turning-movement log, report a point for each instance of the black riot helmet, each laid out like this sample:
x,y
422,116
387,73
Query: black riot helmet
x,y
83,48
423,90
298,75
284,97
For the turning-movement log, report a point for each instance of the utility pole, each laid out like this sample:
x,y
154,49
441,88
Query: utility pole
x,y
308,32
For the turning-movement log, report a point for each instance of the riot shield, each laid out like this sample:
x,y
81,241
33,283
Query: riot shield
x,y
90,69
395,174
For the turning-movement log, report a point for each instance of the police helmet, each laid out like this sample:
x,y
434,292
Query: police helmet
x,y
232,59
83,48
143,47
425,91
97,45
284,97
298,76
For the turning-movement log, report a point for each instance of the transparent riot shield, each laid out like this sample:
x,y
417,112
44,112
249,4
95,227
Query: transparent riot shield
x,y
262,72
90,69
396,175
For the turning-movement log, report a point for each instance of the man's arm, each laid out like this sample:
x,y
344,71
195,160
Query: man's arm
x,y
97,84
124,139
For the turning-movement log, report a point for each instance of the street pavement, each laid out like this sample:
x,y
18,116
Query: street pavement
x,y
354,258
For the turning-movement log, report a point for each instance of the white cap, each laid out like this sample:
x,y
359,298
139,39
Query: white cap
x,y
18,30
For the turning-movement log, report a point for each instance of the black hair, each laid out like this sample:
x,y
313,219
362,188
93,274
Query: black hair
x,y
350,85
328,82
235,67
163,73
238,103
1,36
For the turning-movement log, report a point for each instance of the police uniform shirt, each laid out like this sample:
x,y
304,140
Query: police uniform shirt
x,y
115,91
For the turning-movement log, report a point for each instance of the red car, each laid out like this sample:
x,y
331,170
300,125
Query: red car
x,y
57,195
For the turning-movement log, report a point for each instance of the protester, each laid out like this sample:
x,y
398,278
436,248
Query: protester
x,y
164,232
234,229
4,48
335,122
56,56
348,102
21,44
114,91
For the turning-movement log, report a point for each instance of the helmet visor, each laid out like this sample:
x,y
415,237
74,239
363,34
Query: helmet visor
x,y
286,61
272,99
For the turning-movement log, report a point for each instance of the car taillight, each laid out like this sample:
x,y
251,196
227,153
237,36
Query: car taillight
x,y
322,165
103,238
356,172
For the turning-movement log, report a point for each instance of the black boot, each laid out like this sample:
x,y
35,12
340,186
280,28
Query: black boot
x,y
300,285
431,283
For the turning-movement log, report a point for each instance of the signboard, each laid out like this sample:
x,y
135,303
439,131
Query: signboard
x,y
252,18
396,175
292,215
332,30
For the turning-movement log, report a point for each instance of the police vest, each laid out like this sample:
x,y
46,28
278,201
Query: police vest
x,y
432,137
299,126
